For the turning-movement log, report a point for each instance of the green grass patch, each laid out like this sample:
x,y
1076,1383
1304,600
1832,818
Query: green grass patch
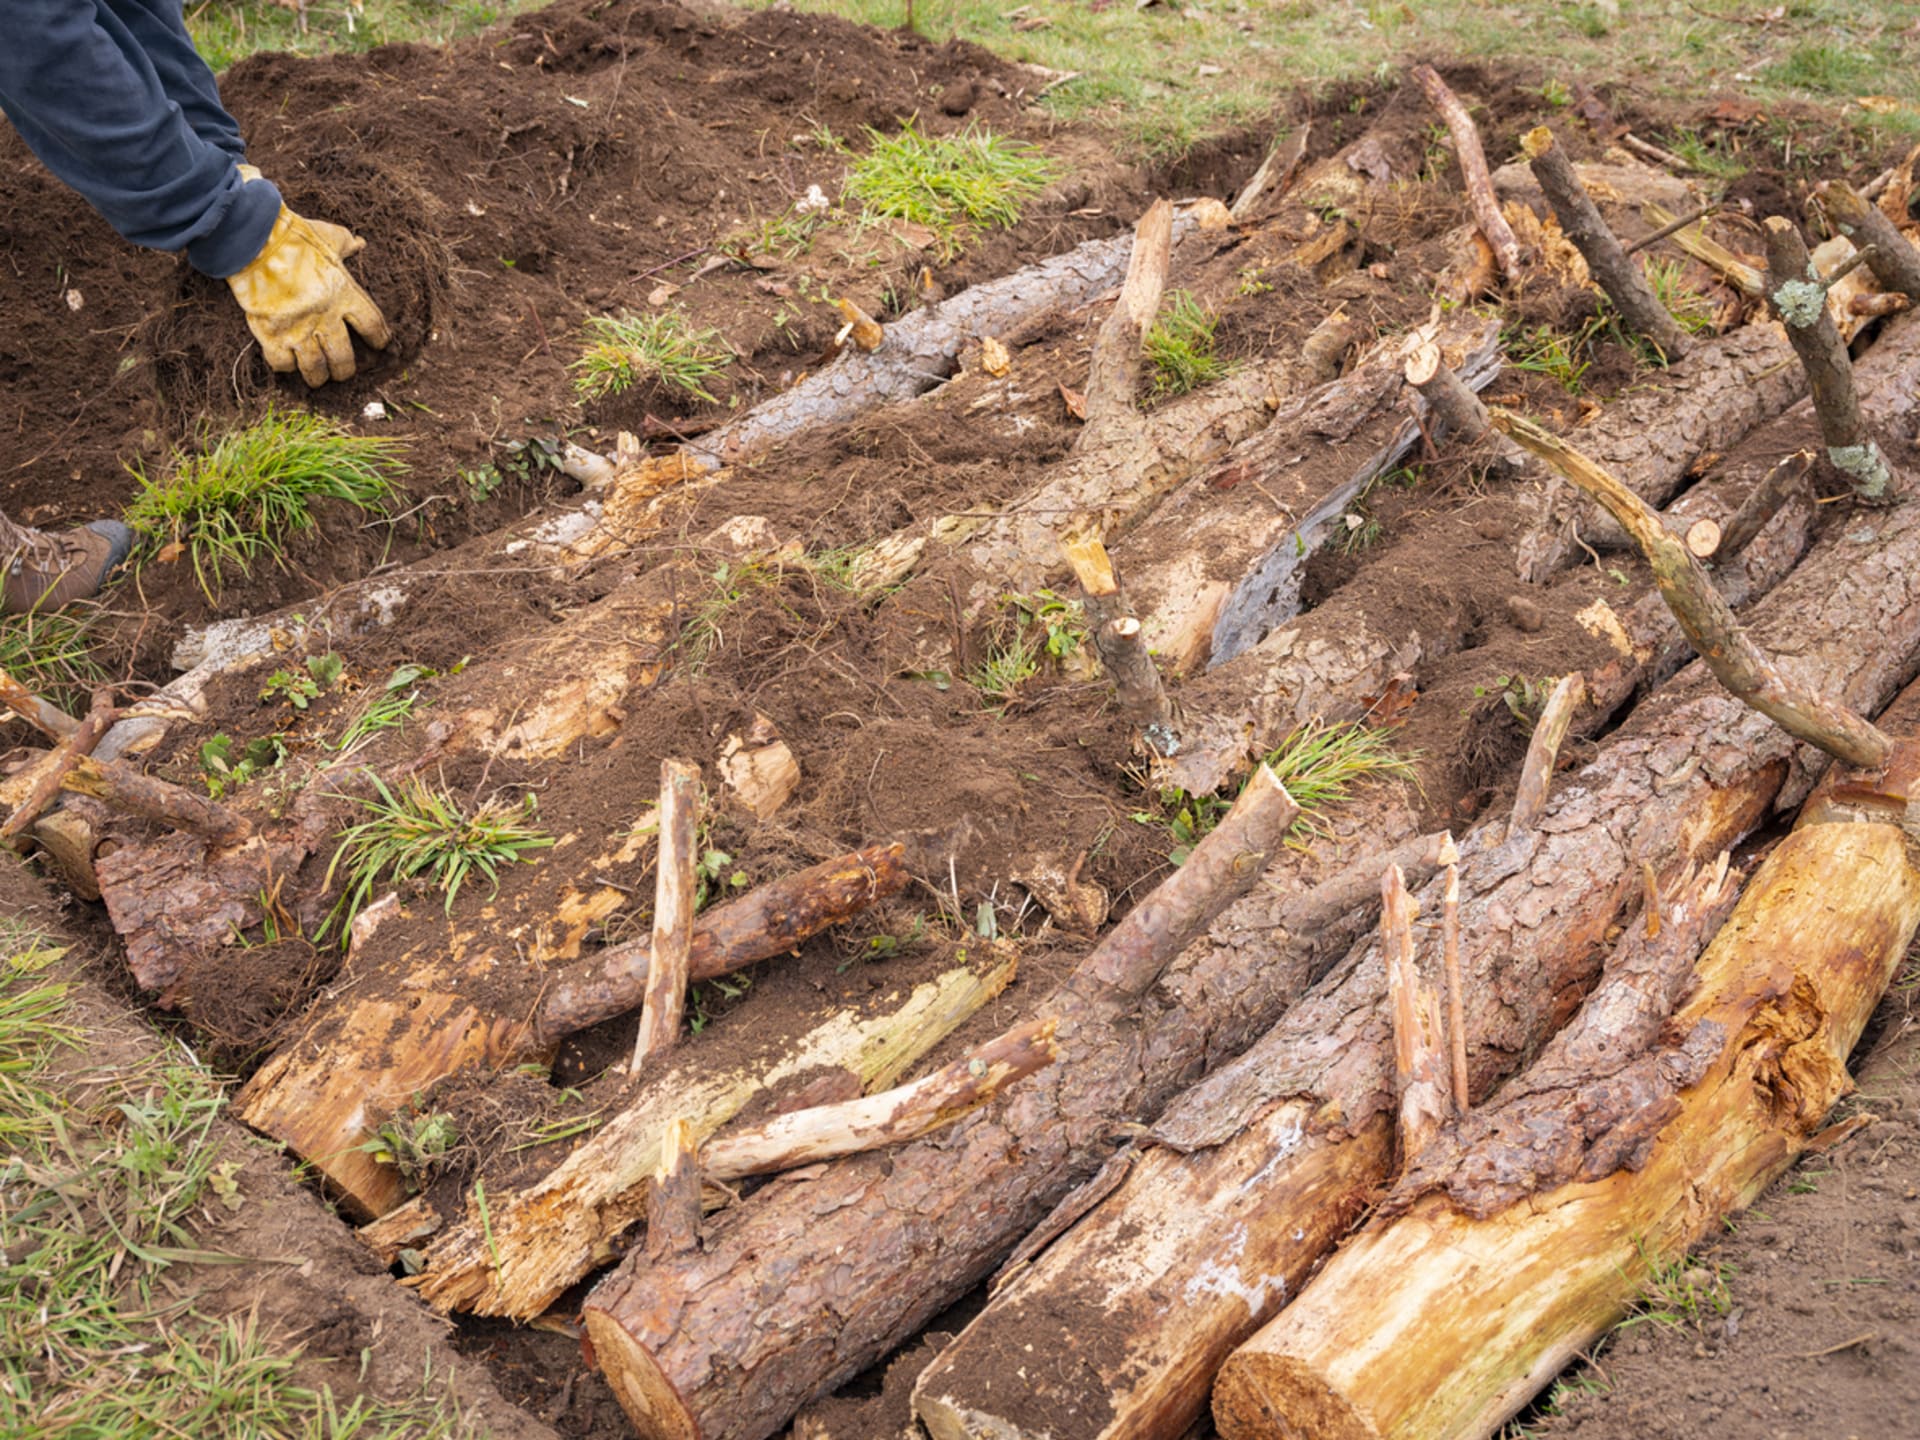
x,y
946,182
227,31
241,500
1181,346
422,834
1030,631
48,654
1827,68
621,351
98,1188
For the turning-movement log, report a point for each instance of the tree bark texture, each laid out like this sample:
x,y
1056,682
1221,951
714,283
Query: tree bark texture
x,y
415,1017
1220,562
873,1246
552,1233
1308,1109
1442,1321
1618,273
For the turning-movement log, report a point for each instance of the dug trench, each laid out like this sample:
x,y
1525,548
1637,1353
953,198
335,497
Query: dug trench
x,y
581,160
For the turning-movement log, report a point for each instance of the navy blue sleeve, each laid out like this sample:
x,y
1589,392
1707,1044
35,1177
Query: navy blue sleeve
x,y
113,98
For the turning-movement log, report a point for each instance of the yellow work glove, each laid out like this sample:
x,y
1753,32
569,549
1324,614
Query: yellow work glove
x,y
299,300
339,239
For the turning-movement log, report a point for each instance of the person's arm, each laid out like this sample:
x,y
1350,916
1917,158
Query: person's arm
x,y
82,90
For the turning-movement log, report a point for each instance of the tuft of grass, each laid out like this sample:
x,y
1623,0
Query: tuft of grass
x,y
1691,310
1546,351
1707,154
420,833
1828,68
1032,630
253,490
48,653
947,181
1180,346
1685,1291
621,351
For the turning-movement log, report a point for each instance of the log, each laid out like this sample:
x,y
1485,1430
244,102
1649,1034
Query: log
x,y
147,797
399,1028
1473,169
1420,1059
873,1246
1452,402
1801,303
1891,257
673,1192
1220,563
1446,1319
892,1117
1267,1159
541,1239
1620,276
669,961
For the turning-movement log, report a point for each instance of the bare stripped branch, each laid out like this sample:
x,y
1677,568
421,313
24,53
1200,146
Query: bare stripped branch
x,y
1473,166
1543,751
673,898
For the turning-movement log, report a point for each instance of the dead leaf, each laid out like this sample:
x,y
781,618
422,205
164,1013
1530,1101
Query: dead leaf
x,y
1882,104
915,237
1075,401
1033,22
777,288
1389,708
1734,110
994,358
170,552
759,767
662,293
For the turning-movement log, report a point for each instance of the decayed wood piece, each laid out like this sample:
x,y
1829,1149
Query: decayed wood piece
x,y
1893,260
1473,168
673,1192
1113,371
1276,172
60,763
873,1246
538,1241
150,798
669,960
1420,1061
922,349
1543,749
398,1029
49,719
1457,1075
892,1117
1270,1157
1625,1148
1617,273
1703,613
400,1229
1800,300
1220,562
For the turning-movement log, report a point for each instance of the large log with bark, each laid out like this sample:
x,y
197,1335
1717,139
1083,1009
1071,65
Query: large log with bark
x,y
1523,1238
1308,1108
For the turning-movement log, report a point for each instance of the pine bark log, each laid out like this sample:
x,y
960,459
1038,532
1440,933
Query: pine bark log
x,y
873,1246
1442,1321
1133,1331
538,1241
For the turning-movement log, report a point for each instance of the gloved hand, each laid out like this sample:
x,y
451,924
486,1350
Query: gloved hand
x,y
299,300
339,239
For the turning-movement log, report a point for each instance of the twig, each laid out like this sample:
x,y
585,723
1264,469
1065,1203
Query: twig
x,y
125,788
673,897
1647,150
1473,165
1672,227
1543,751
1456,987
1703,613
1623,279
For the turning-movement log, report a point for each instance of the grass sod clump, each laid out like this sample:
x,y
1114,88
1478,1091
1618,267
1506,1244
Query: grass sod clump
x,y
946,182
1180,347
624,350
96,1205
240,500
420,833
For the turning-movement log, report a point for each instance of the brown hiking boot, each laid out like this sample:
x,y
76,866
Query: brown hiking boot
x,y
45,570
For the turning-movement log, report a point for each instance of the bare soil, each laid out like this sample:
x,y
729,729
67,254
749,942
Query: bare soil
x,y
569,164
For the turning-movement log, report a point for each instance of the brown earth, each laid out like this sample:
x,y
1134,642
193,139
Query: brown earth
x,y
500,213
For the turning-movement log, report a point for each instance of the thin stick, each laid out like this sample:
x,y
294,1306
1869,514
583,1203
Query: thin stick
x,y
1543,751
1801,303
59,764
673,896
1703,612
124,788
1473,165
1711,253
1456,987
49,719
1764,502
1622,278
1895,263
1672,227
892,1117
1420,1062
1647,150
673,1194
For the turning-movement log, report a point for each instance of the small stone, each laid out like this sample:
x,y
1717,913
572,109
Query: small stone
x,y
1490,527
1525,613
